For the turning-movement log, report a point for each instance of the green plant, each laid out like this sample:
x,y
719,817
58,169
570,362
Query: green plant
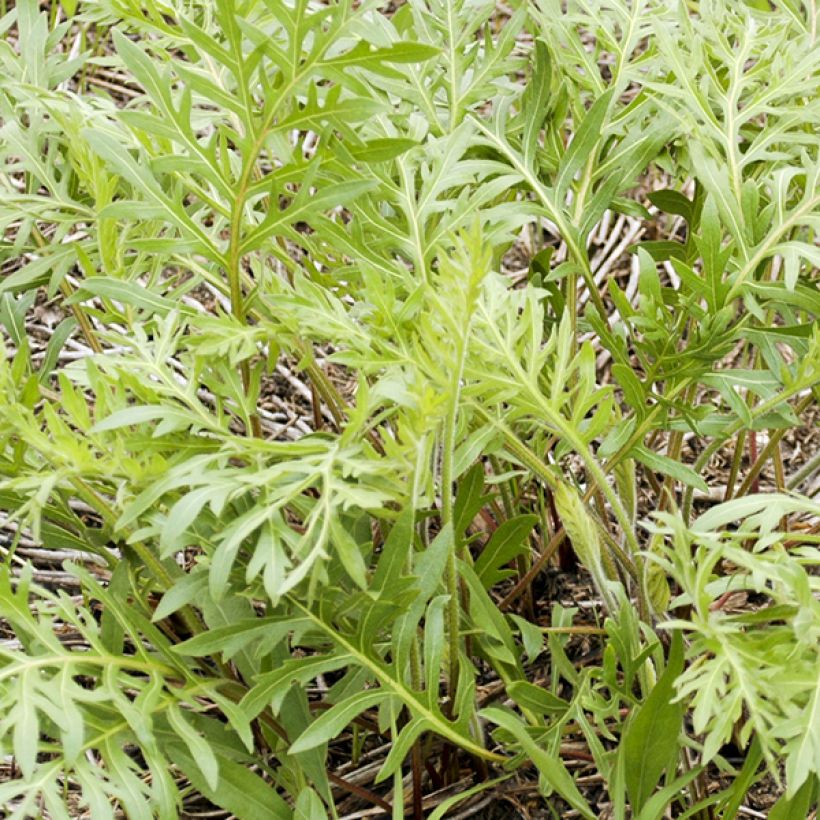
x,y
212,194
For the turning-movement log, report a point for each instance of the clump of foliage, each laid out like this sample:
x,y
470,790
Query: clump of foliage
x,y
204,191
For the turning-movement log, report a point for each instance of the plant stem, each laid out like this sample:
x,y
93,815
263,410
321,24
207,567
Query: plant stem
x,y
83,321
451,570
750,482
737,458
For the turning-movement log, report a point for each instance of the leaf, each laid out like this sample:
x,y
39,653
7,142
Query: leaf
x,y
649,283
127,293
139,415
433,645
534,101
508,541
309,806
668,466
181,594
495,635
672,202
650,742
277,222
390,681
349,552
660,250
536,699
400,747
442,810
240,791
234,637
713,259
396,550
776,504
583,143
550,767
363,55
531,636
795,806
26,723
181,516
139,175
803,760
469,498
634,392
382,150
58,338
197,745
656,807
270,688
332,722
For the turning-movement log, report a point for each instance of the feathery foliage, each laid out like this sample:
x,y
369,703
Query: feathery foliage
x,y
212,195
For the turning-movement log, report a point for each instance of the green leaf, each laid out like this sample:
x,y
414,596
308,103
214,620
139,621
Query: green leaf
x,y
634,392
197,745
382,150
240,791
127,293
668,466
656,807
798,805
26,723
396,550
550,768
534,101
672,202
234,637
508,541
309,806
583,143
363,55
140,415
442,810
400,748
58,339
469,498
531,636
270,688
650,742
536,699
349,552
332,722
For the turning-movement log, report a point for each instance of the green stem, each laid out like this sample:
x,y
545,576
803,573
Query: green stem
x,y
417,705
768,450
451,570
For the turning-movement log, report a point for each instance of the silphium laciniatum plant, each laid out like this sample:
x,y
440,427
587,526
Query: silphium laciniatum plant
x,y
212,195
